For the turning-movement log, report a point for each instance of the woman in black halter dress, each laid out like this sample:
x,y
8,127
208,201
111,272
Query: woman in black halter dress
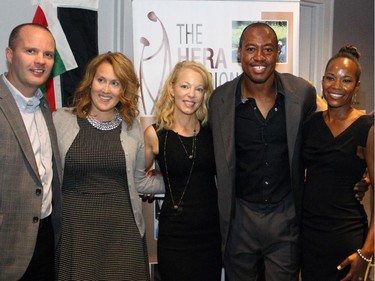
x,y
189,234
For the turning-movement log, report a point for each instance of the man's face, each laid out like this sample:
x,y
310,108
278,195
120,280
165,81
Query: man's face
x,y
31,60
258,53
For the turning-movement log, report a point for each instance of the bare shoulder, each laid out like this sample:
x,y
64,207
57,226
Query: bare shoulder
x,y
370,138
151,144
355,115
150,135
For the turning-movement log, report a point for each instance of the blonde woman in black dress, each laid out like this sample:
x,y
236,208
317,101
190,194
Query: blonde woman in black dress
x,y
101,144
189,235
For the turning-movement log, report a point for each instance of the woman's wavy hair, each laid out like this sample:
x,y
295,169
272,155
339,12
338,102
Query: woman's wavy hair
x,y
165,105
124,70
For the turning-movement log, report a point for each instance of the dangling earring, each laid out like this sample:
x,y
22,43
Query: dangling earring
x,y
355,100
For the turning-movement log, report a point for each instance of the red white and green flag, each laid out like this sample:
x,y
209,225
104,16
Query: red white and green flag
x,y
46,14
80,21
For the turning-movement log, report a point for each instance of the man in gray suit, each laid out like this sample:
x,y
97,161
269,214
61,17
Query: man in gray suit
x,y
30,166
256,121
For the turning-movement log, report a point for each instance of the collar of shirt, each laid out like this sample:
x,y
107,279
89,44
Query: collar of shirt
x,y
240,99
29,105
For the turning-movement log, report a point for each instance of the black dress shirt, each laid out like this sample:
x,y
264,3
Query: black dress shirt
x,y
262,162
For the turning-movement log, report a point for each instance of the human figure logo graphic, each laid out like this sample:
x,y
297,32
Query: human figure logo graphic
x,y
164,51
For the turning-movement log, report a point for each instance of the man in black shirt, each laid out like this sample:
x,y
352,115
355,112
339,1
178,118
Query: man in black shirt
x,y
256,121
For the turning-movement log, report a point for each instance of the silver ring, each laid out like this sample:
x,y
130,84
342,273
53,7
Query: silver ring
x,y
360,278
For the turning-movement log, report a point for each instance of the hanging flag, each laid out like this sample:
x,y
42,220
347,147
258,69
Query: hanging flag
x,y
80,26
46,14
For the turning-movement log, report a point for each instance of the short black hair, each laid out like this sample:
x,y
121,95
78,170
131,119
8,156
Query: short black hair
x,y
256,24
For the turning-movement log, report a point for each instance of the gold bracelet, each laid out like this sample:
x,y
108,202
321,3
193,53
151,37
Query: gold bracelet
x,y
363,257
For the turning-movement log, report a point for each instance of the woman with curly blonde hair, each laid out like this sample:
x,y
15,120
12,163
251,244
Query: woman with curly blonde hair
x,y
189,236
102,150
166,104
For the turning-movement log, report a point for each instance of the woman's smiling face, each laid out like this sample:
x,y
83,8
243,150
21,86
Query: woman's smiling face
x,y
105,91
188,92
340,82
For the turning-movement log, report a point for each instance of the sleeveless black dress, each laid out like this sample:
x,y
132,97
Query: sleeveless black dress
x,y
189,237
334,223
100,239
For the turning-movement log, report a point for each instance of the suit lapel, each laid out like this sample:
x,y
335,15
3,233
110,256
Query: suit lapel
x,y
293,116
227,120
9,107
52,134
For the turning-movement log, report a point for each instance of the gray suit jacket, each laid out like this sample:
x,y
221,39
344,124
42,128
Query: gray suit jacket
x,y
19,180
300,102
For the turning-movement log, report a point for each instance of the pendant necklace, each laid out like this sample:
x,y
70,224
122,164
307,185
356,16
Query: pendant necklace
x,y
177,205
193,147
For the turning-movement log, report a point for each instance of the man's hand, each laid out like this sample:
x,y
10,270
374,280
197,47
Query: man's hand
x,y
361,187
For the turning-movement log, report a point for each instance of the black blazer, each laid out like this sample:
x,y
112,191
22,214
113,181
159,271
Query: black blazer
x,y
300,102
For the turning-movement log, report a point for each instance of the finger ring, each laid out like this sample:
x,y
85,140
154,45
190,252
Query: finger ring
x,y
360,278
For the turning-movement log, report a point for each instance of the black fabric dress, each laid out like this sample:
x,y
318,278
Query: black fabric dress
x,y
189,237
334,223
100,239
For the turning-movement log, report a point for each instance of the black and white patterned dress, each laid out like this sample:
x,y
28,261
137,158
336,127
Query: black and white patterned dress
x,y
100,239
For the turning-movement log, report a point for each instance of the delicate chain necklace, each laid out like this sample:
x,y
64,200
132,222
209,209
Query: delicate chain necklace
x,y
177,207
105,125
193,146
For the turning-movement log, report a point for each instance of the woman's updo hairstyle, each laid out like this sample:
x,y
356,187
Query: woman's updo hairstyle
x,y
351,52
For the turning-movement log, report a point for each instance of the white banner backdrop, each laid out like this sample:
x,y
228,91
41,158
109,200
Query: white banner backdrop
x,y
165,32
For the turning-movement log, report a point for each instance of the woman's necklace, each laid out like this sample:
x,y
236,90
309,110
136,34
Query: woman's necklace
x,y
177,206
193,146
105,125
